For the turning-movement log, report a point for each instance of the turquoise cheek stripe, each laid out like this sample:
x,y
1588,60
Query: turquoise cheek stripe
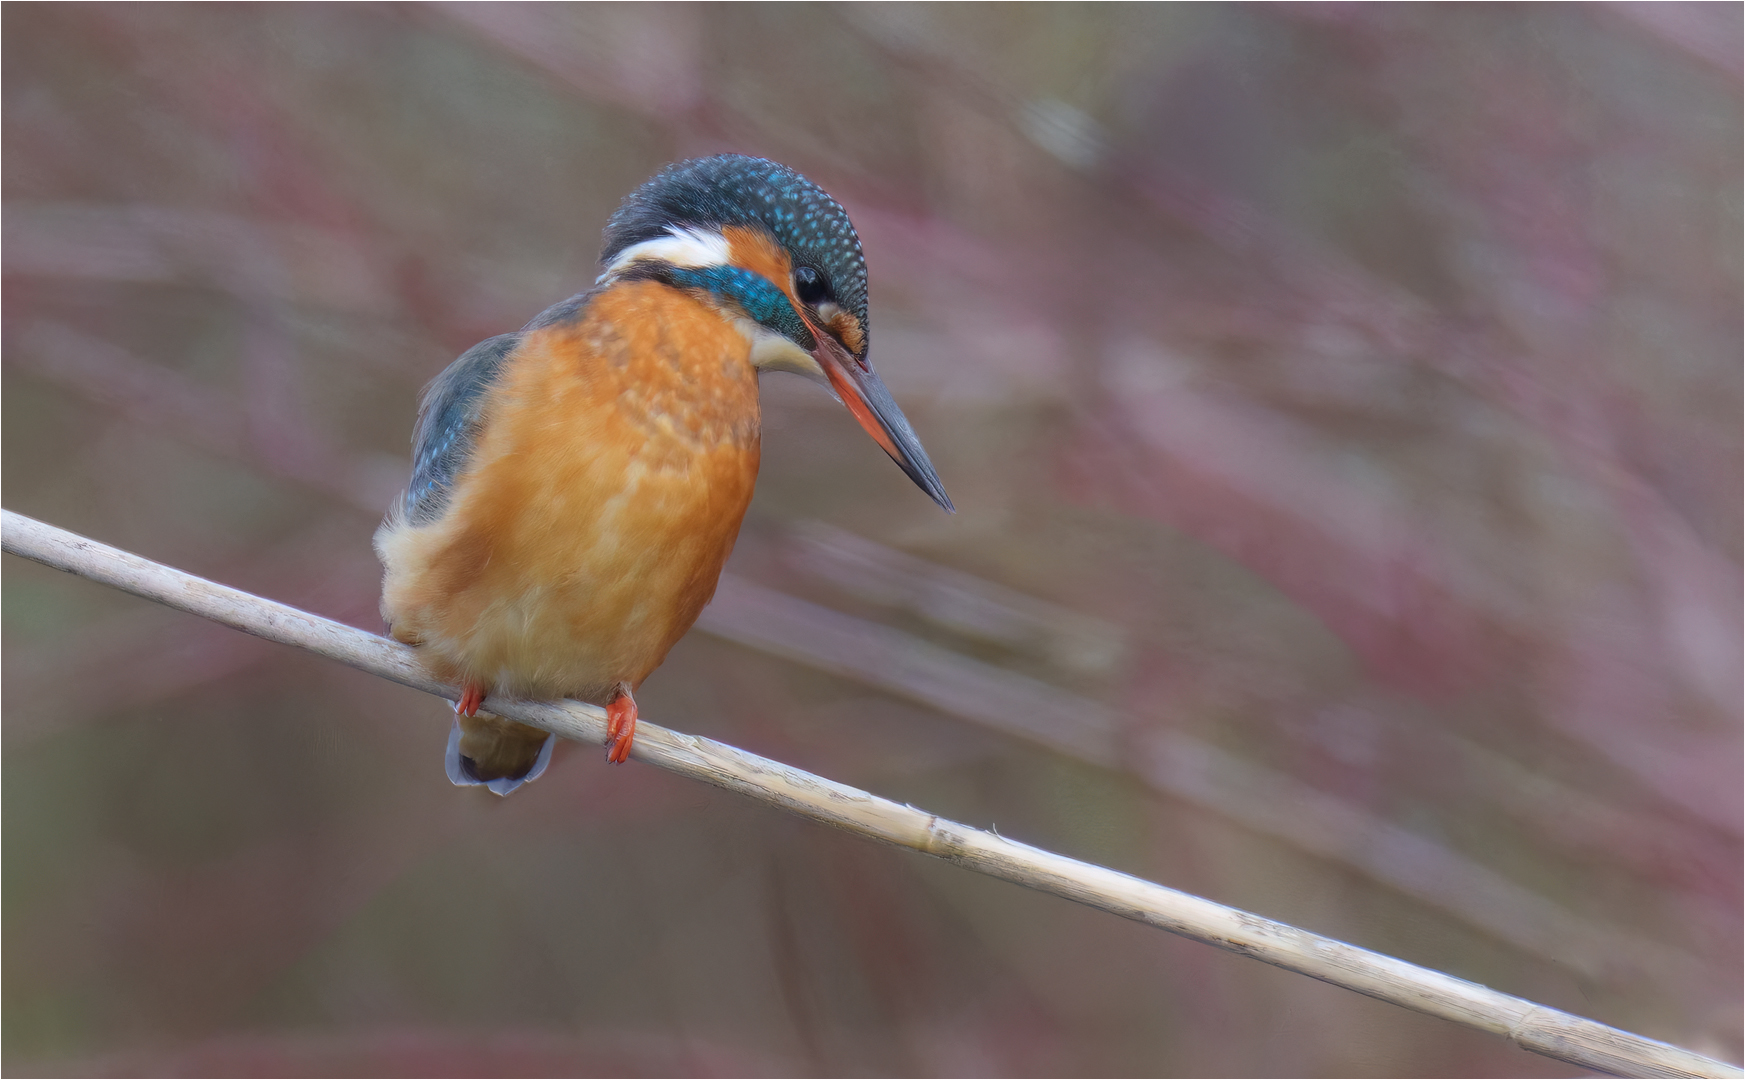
x,y
762,301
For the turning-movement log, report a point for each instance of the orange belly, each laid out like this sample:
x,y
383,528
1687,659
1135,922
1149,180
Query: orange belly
x,y
615,463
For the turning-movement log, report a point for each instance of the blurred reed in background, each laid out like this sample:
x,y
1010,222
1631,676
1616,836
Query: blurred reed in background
x,y
1343,403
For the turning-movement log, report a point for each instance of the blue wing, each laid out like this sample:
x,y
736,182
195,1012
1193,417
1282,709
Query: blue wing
x,y
448,423
449,412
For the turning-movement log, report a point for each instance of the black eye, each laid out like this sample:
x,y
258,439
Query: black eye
x,y
810,286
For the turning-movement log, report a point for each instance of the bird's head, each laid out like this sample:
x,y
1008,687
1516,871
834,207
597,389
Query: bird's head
x,y
778,255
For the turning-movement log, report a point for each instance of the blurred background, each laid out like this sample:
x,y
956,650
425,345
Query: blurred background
x,y
1343,405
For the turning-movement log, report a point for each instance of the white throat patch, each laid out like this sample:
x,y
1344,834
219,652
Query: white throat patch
x,y
692,248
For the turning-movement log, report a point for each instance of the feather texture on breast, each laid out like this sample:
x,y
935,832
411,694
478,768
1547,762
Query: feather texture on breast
x,y
578,488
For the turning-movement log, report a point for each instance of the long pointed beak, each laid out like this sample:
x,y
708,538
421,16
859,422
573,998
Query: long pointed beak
x,y
864,393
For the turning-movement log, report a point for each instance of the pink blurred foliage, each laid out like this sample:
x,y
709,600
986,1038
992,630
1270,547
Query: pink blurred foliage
x,y
434,1052
1423,565
1241,484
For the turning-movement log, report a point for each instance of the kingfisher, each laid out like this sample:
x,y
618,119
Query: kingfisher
x,y
578,485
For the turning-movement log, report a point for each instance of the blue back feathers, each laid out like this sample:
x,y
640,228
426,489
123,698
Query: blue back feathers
x,y
448,422
731,189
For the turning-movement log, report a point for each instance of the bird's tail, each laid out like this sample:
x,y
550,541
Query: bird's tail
x,y
496,753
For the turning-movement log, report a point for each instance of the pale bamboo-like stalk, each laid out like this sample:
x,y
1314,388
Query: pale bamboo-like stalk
x,y
1534,1027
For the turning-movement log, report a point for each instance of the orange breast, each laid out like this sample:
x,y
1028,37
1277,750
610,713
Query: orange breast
x,y
617,458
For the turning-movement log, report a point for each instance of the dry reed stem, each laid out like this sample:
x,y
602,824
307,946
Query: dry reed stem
x,y
1534,1027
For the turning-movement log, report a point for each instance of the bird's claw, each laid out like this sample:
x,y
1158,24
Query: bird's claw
x,y
620,727
472,695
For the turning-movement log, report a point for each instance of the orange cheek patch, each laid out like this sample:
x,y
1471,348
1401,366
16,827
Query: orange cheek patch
x,y
757,251
847,329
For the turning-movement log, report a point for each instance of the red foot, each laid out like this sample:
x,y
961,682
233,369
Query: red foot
x,y
472,695
620,727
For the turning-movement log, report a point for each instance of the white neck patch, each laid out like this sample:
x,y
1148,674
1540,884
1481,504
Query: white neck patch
x,y
692,248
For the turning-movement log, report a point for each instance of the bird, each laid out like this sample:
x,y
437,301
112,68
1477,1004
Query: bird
x,y
578,485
